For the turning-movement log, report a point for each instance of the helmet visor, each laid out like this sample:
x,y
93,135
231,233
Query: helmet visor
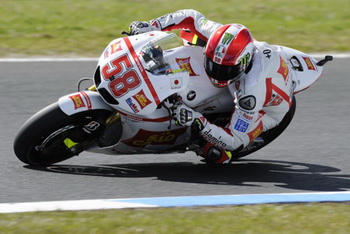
x,y
222,72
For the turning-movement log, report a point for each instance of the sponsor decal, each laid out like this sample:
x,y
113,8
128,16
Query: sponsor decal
x,y
244,61
199,123
310,65
176,83
92,126
77,101
106,53
241,125
208,25
296,64
87,100
237,84
247,103
112,49
209,108
276,100
155,24
228,37
267,53
260,115
283,70
256,132
184,64
144,138
212,139
220,51
116,47
273,88
217,60
203,119
191,95
132,105
142,99
239,26
203,22
248,112
247,117
180,12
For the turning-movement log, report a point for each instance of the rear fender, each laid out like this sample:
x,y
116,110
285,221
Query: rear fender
x,y
82,101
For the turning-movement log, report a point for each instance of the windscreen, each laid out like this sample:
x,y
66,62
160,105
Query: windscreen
x,y
154,53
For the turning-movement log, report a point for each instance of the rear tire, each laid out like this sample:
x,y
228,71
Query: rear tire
x,y
51,136
269,135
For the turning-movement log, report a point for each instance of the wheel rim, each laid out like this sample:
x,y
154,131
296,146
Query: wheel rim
x,y
56,146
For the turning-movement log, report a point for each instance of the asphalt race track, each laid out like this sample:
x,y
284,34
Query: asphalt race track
x,y
311,156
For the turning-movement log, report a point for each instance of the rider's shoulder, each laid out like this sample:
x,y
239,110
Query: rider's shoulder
x,y
269,57
268,52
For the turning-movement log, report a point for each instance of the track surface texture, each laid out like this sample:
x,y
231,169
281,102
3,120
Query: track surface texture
x,y
312,155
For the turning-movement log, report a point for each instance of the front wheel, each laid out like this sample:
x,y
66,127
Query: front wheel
x,y
51,136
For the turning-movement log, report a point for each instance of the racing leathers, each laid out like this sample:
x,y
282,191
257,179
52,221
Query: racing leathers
x,y
262,96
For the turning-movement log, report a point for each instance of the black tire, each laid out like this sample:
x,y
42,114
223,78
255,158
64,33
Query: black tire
x,y
269,135
40,141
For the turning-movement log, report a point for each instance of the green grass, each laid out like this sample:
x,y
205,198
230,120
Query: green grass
x,y
84,27
301,218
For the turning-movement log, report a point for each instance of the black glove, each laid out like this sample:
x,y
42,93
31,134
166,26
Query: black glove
x,y
185,116
138,27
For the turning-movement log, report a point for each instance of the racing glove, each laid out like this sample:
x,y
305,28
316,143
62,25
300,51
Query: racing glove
x,y
185,116
138,27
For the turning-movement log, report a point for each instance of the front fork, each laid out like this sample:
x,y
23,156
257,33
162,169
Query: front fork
x,y
90,101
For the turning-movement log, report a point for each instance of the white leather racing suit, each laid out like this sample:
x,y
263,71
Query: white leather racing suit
x,y
262,96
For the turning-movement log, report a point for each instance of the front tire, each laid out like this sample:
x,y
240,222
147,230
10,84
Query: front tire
x,y
51,136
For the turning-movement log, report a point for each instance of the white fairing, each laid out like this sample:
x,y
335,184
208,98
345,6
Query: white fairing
x,y
304,68
82,101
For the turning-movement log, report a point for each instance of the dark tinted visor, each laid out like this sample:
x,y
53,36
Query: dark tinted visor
x,y
222,72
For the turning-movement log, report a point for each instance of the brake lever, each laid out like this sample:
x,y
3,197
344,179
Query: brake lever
x,y
126,33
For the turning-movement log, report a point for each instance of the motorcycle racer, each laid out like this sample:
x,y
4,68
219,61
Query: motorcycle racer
x,y
256,74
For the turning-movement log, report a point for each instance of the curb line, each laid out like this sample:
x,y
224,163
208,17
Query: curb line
x,y
185,201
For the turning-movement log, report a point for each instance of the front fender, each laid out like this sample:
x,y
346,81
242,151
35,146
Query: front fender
x,y
82,101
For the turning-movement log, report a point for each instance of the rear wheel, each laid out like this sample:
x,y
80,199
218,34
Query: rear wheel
x,y
264,139
268,136
51,136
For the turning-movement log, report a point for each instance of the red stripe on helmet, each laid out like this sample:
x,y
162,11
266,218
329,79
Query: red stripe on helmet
x,y
214,40
237,46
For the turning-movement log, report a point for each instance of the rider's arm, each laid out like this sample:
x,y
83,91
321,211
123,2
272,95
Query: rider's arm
x,y
245,125
254,113
191,20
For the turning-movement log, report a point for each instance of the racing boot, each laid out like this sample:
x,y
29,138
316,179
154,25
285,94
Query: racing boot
x,y
214,155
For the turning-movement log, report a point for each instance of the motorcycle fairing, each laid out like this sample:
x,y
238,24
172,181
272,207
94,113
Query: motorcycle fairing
x,y
126,79
304,68
82,101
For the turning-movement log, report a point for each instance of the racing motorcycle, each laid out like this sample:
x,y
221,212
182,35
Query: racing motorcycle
x,y
128,109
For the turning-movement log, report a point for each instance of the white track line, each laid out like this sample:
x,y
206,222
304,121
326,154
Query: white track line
x,y
216,200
